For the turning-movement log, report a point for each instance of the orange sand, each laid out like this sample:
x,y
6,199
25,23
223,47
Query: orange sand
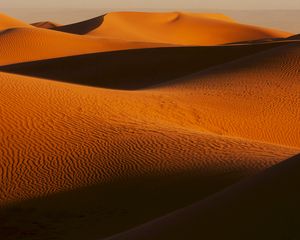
x,y
97,144
174,28
29,44
7,22
46,24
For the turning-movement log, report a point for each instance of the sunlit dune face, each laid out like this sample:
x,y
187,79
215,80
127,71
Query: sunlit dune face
x,y
180,28
8,22
21,42
115,121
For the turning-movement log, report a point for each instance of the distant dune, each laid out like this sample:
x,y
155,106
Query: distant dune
x,y
46,24
171,28
28,44
126,118
9,22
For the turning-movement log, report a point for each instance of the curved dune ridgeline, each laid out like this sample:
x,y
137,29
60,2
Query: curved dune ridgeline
x,y
29,44
136,68
172,28
129,126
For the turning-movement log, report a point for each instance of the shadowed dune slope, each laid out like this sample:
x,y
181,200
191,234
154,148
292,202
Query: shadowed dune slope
x,y
135,68
108,124
265,206
172,28
296,37
62,137
234,99
61,121
46,24
7,22
256,97
81,27
28,44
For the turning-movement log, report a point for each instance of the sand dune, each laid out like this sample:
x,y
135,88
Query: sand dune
x,y
81,27
46,24
236,99
157,65
262,207
249,97
111,123
173,28
62,137
296,37
7,22
44,122
28,44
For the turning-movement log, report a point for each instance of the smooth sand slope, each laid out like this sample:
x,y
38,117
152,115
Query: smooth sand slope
x,y
173,28
136,68
28,44
256,97
21,42
95,142
247,210
9,22
247,98
59,137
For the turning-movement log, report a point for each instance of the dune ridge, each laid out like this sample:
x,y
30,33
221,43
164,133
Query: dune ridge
x,y
132,72
76,140
45,24
29,44
249,97
9,22
172,28
126,118
233,103
96,116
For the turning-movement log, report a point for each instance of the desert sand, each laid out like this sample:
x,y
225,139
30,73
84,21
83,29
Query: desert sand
x,y
171,28
9,22
247,206
45,24
123,119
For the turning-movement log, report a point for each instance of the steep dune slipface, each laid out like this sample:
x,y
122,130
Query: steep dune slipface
x,y
45,24
7,22
79,162
256,97
265,206
173,28
138,68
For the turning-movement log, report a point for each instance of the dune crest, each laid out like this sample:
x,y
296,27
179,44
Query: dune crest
x,y
116,121
9,22
46,24
78,138
173,28
29,44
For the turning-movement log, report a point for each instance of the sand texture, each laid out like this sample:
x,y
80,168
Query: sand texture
x,y
139,125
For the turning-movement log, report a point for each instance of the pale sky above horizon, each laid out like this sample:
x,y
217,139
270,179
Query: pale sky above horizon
x,y
153,4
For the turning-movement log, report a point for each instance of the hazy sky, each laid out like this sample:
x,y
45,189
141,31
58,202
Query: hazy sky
x,y
157,4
